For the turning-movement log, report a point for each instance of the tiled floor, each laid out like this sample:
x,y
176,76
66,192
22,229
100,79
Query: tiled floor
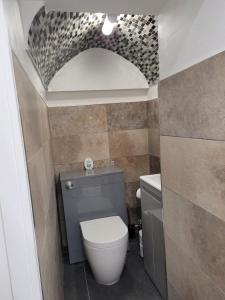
x,y
133,285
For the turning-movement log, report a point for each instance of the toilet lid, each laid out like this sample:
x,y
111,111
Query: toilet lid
x,y
104,231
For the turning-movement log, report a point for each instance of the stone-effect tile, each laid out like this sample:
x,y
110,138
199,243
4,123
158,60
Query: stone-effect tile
x,y
133,166
80,166
124,116
33,112
153,113
195,169
191,283
71,149
198,233
154,162
172,293
131,189
42,183
154,141
67,121
128,143
192,102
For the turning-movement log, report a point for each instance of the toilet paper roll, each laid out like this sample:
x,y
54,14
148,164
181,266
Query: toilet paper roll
x,y
138,194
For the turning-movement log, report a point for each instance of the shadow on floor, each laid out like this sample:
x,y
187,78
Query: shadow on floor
x,y
134,284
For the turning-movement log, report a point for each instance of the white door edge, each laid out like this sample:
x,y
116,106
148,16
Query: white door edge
x,y
17,228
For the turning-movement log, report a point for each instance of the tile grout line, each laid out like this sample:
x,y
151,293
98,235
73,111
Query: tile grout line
x,y
85,276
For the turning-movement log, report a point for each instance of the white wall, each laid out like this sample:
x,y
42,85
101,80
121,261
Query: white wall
x,y
189,32
18,44
100,97
98,69
28,9
118,7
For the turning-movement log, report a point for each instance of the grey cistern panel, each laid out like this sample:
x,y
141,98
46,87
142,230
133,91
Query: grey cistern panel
x,y
87,196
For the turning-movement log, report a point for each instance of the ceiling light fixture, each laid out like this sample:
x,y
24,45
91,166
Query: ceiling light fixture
x,y
109,24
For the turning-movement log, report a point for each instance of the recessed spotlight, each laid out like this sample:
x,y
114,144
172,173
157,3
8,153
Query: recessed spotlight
x,y
109,24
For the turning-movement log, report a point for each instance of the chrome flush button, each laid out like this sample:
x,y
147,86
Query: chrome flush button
x,y
69,185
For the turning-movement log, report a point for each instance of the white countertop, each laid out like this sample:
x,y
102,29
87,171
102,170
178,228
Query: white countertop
x,y
153,180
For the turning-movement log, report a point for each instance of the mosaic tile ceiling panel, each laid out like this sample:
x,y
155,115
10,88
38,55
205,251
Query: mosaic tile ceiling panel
x,y
56,37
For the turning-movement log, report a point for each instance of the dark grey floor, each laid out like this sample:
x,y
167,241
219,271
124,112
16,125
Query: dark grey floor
x,y
133,285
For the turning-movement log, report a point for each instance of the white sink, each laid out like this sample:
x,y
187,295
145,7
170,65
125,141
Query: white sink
x,y
153,180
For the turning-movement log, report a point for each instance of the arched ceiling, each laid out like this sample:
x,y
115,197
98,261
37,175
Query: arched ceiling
x,y
56,37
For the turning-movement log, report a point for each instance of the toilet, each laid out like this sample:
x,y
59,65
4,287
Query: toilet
x,y
105,242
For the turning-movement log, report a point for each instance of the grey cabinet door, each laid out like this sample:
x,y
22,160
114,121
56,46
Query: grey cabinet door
x,y
147,234
153,240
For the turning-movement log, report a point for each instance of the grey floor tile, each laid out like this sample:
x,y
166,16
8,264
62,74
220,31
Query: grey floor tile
x,y
133,285
75,286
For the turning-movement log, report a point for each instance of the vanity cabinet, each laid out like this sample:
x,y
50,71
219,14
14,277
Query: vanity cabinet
x,y
153,236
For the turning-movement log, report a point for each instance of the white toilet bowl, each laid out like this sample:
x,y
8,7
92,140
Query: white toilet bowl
x,y
105,243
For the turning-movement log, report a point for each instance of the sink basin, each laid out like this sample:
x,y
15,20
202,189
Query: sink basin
x,y
153,180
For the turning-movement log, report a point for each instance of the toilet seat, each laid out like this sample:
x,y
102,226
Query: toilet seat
x,y
104,232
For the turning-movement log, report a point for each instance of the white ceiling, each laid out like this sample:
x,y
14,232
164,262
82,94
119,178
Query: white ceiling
x,y
144,7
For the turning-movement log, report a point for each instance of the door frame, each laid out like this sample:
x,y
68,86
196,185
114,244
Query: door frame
x,y
18,252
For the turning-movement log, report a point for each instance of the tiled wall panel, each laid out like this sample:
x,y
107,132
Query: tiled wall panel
x,y
192,123
154,136
42,184
117,133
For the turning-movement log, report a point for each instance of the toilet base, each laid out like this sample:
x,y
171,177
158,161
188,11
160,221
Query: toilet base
x,y
107,264
110,283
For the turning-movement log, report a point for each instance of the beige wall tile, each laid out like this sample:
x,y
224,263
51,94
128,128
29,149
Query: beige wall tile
x,y
154,162
33,112
153,113
190,281
42,184
198,233
80,166
128,142
67,121
131,189
71,149
154,141
172,293
192,101
123,116
195,169
133,166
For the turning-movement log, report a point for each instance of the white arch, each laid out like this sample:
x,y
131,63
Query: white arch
x,y
98,69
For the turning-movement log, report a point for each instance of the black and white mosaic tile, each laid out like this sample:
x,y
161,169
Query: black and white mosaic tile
x,y
56,37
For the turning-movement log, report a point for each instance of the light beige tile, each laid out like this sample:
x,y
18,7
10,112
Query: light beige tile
x,y
154,162
154,141
131,189
42,184
33,112
199,234
172,293
80,166
195,169
192,101
72,120
124,116
186,278
153,113
128,142
133,166
72,149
